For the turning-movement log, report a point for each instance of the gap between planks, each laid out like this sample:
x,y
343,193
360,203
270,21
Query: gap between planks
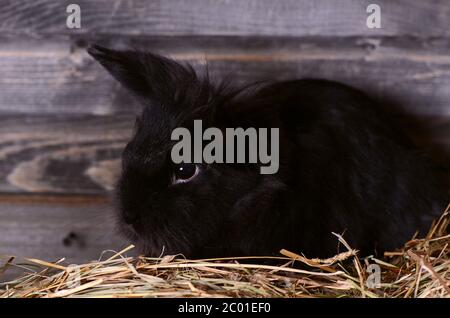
x,y
59,199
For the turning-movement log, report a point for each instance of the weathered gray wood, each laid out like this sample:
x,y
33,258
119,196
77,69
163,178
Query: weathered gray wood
x,y
64,121
228,17
57,76
54,154
81,154
49,228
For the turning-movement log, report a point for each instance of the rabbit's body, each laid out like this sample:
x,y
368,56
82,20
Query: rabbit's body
x,y
343,169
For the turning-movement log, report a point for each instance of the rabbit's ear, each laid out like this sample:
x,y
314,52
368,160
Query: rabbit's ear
x,y
147,75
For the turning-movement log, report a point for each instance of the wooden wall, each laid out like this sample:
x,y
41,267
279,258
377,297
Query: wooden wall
x,y
64,121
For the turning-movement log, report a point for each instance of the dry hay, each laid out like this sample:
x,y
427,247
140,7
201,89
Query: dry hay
x,y
420,269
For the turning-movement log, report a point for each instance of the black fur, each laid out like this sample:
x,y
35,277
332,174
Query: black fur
x,y
343,168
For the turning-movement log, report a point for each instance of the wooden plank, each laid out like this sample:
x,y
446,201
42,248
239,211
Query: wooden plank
x,y
55,154
81,154
57,76
228,17
50,228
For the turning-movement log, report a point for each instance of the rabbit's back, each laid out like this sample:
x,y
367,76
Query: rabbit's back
x,y
350,170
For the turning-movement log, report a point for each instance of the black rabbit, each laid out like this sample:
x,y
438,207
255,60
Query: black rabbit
x,y
343,168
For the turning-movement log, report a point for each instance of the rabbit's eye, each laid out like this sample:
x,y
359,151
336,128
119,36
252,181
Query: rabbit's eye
x,y
184,172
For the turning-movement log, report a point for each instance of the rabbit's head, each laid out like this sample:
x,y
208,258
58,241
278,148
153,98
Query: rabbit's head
x,y
176,208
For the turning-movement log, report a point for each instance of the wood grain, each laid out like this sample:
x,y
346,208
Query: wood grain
x,y
81,154
228,17
77,231
57,76
64,121
55,154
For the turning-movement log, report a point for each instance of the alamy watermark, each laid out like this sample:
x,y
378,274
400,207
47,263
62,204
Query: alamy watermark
x,y
374,278
73,20
239,145
74,276
374,19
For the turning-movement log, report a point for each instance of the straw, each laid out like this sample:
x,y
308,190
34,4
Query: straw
x,y
420,269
